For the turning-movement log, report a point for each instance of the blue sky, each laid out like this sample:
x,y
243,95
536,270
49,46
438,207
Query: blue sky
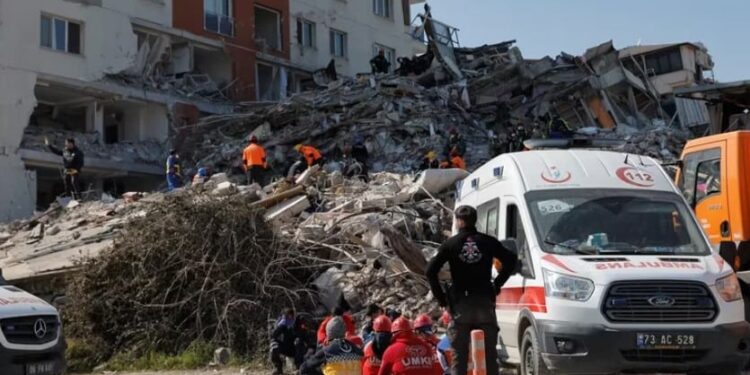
x,y
546,27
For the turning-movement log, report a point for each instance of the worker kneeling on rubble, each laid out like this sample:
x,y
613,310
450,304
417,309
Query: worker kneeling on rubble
x,y
408,354
309,156
338,356
471,296
287,340
376,347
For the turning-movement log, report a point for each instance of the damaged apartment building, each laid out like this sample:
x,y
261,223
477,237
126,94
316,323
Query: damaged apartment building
x,y
114,75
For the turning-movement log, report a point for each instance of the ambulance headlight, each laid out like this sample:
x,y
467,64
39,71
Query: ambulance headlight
x,y
567,287
729,288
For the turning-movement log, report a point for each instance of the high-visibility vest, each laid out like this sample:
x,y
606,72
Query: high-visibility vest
x,y
458,162
254,156
311,154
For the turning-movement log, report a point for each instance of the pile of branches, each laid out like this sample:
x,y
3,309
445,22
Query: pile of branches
x,y
190,270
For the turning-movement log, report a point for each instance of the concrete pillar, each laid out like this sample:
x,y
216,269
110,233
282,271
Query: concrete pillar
x,y
95,120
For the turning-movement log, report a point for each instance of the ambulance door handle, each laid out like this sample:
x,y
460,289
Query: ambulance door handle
x,y
724,228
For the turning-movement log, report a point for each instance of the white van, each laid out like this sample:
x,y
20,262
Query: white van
x,y
615,274
31,339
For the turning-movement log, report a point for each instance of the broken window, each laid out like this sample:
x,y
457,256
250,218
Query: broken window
x,y
382,8
60,34
338,43
217,16
664,62
390,53
305,33
270,80
268,27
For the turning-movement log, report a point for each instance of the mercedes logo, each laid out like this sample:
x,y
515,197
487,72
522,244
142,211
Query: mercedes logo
x,y
40,328
661,301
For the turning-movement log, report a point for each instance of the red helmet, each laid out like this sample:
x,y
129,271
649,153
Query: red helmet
x,y
423,320
446,318
401,324
381,324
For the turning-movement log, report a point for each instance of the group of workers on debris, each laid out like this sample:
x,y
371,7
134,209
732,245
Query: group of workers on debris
x,y
390,343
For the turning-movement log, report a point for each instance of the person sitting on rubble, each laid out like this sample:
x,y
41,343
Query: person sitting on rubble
x,y
72,163
287,341
455,143
254,161
430,161
408,354
559,128
376,347
373,312
379,63
455,161
174,171
338,356
423,329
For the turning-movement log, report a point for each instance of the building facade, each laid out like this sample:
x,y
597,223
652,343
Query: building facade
x,y
350,32
115,76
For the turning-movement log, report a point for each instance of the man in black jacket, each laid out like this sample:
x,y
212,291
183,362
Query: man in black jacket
x,y
72,162
471,296
287,340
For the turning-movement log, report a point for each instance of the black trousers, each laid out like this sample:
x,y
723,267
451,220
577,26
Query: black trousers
x,y
277,355
255,175
469,314
72,187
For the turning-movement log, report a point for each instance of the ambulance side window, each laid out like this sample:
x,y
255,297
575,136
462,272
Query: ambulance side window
x,y
487,217
514,228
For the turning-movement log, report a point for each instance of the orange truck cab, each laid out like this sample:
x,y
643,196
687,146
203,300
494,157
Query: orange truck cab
x,y
714,181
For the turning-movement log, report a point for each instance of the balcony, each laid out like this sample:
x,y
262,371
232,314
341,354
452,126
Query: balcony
x,y
218,23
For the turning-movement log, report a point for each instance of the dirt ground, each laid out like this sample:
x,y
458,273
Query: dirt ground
x,y
233,371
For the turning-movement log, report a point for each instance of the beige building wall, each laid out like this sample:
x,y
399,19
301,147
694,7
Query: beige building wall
x,y
363,28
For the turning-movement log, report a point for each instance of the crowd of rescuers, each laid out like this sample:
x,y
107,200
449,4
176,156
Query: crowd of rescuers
x,y
390,343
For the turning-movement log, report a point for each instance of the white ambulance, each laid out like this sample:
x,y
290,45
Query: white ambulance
x,y
615,274
31,337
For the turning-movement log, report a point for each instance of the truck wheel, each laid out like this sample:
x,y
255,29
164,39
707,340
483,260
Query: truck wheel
x,y
531,357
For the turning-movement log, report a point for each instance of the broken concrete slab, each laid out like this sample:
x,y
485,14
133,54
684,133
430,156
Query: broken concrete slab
x,y
288,209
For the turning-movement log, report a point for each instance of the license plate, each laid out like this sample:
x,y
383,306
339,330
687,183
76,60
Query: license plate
x,y
665,341
41,368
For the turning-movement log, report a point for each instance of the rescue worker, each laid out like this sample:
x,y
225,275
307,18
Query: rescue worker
x,y
287,341
455,161
360,154
254,161
309,156
408,354
201,177
379,63
174,171
373,312
471,296
455,144
423,330
374,349
348,320
559,128
72,163
338,356
430,161
444,349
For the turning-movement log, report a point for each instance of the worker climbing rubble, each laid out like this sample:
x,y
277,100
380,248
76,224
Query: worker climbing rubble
x,y
254,161
456,144
309,156
72,163
408,354
379,64
337,356
455,161
375,349
471,296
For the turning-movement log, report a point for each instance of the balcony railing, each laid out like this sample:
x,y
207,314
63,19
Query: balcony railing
x,y
218,23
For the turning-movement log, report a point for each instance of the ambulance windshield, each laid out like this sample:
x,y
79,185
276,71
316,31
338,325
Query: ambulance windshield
x,y
610,221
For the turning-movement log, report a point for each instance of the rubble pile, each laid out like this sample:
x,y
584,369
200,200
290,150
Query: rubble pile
x,y
146,152
398,120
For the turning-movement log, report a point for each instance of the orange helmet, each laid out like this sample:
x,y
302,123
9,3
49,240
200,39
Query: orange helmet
x,y
423,320
401,324
381,324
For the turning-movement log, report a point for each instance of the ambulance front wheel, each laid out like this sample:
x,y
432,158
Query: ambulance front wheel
x,y
531,355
